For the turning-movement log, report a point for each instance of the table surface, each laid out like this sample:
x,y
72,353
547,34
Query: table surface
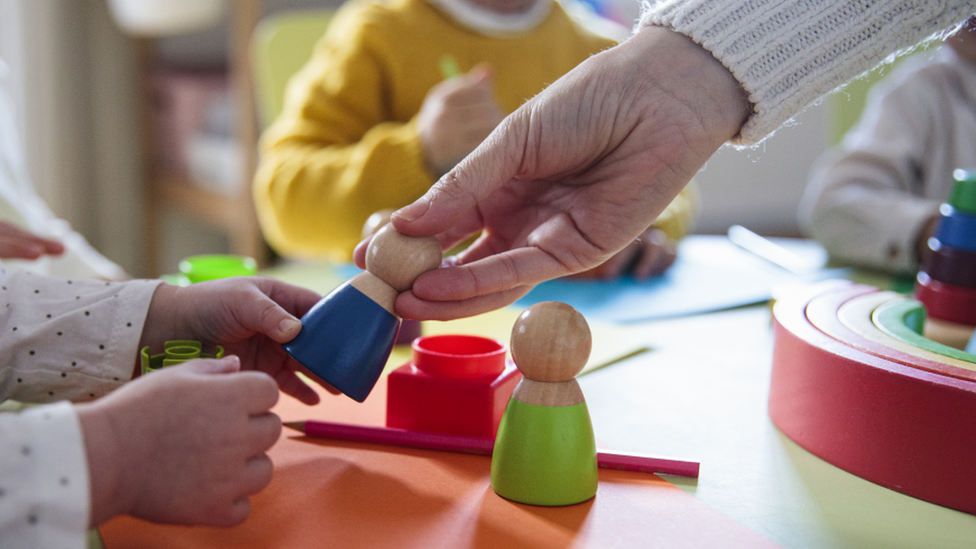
x,y
701,393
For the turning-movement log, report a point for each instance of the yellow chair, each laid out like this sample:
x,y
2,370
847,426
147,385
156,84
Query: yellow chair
x,y
282,43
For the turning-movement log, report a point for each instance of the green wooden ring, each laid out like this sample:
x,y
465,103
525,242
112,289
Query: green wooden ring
x,y
905,320
963,196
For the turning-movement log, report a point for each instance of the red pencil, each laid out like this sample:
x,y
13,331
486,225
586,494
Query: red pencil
x,y
479,445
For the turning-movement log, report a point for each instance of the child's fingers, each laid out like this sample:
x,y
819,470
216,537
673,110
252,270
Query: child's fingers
x,y
292,385
257,474
263,431
257,389
226,365
236,513
270,319
480,74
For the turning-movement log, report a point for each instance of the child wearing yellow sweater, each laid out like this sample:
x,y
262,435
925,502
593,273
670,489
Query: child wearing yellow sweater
x,y
371,122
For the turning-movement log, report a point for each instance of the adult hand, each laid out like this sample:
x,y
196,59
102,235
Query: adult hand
x,y
249,316
17,243
456,116
575,174
184,445
650,255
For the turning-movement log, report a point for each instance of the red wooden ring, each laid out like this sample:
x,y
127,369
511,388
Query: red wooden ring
x,y
950,265
902,427
946,301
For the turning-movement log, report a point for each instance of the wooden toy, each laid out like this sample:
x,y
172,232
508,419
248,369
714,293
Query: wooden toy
x,y
904,319
905,428
456,384
956,229
545,451
347,336
946,301
950,265
963,195
856,315
484,446
409,329
948,333
821,312
947,282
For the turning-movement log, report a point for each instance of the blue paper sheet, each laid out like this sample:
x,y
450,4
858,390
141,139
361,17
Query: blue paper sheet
x,y
710,274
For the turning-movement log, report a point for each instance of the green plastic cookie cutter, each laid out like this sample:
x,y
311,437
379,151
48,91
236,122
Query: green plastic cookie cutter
x,y
904,319
175,352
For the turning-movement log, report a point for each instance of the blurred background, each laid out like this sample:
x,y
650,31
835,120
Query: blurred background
x,y
142,132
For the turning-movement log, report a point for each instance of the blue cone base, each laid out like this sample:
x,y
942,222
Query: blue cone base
x,y
345,341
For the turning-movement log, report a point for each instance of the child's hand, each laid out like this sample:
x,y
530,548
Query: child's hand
x,y
249,316
648,256
17,243
183,445
457,115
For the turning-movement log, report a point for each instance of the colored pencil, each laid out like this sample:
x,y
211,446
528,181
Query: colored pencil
x,y
480,446
449,67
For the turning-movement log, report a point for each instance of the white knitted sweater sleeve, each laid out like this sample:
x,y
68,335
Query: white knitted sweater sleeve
x,y
786,54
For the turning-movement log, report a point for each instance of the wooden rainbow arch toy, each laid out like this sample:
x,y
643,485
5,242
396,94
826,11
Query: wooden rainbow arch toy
x,y
855,383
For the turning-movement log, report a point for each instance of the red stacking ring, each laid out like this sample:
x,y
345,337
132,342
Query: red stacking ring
x,y
946,301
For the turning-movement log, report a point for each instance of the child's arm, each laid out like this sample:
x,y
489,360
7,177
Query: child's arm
x,y
68,339
338,152
866,198
44,478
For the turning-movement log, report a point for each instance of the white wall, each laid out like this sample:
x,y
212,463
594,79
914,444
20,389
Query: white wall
x,y
761,187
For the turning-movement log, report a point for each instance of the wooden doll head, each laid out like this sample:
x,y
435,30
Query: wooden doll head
x,y
377,221
398,259
551,342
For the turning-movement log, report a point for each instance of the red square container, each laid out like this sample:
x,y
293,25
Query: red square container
x,y
458,384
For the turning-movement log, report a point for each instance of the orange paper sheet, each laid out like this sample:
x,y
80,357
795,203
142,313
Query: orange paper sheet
x,y
341,494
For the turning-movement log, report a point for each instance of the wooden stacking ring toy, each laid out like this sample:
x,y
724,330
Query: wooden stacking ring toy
x,y
946,301
951,265
886,415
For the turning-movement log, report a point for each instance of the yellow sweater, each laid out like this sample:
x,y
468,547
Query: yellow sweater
x,y
346,143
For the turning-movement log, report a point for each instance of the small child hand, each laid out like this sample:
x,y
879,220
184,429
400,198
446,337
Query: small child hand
x,y
249,316
184,445
456,116
17,243
650,255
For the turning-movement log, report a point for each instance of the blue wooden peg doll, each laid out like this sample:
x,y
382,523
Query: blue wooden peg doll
x,y
347,336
